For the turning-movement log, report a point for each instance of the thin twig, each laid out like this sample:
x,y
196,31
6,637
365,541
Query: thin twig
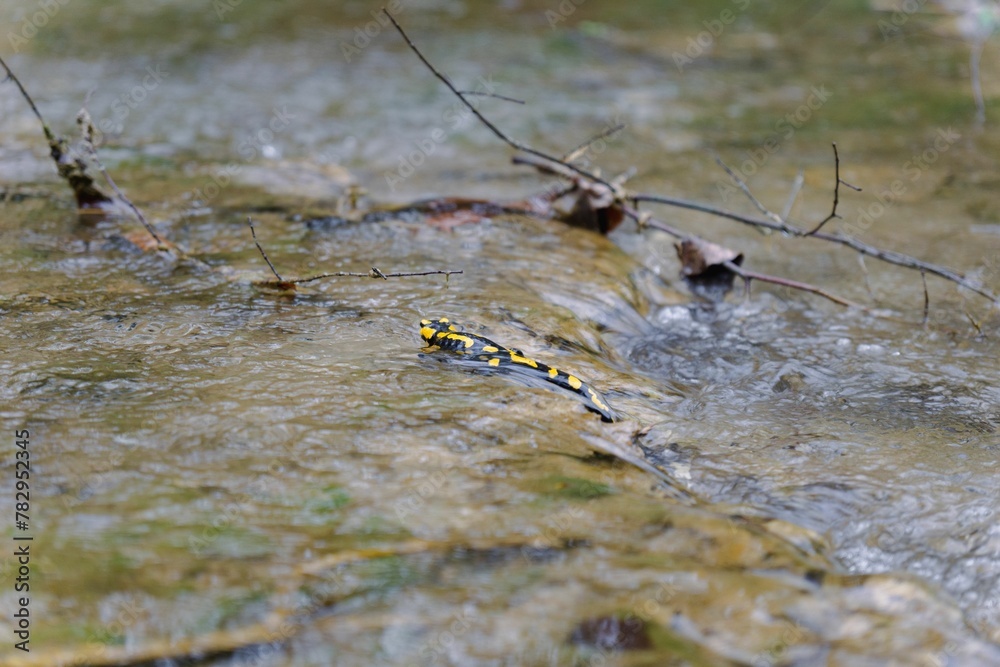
x,y
516,145
793,195
374,273
24,93
644,220
927,298
975,324
836,191
977,85
87,132
485,94
582,148
868,282
746,190
263,254
748,275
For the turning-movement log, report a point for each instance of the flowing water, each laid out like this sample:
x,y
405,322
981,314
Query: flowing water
x,y
210,458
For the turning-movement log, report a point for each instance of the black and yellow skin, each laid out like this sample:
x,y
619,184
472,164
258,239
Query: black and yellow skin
x,y
442,334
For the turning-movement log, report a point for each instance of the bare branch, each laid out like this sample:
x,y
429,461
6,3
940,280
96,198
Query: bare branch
x,y
582,148
516,145
87,133
69,166
748,275
975,324
746,190
927,298
553,165
836,191
263,254
485,94
888,256
24,93
374,273
868,282
793,195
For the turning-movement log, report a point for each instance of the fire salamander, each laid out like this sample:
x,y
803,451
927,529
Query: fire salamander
x,y
441,334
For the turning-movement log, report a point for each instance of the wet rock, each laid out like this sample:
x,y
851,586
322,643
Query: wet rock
x,y
612,633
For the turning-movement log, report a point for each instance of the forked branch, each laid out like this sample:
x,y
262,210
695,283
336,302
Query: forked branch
x,y
563,167
374,273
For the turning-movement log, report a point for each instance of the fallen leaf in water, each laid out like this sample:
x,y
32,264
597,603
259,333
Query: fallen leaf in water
x,y
703,267
594,208
699,256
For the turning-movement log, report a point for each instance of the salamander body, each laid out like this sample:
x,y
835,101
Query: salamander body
x,y
442,334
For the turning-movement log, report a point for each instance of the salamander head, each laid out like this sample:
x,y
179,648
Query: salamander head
x,y
430,328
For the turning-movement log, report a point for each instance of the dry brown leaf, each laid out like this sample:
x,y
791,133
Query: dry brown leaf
x,y
698,256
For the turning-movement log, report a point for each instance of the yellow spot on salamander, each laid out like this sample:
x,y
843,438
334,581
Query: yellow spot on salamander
x,y
574,381
494,362
553,373
490,348
427,333
597,401
424,322
468,342
518,359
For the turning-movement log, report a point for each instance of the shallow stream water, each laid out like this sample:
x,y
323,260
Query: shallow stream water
x,y
212,457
